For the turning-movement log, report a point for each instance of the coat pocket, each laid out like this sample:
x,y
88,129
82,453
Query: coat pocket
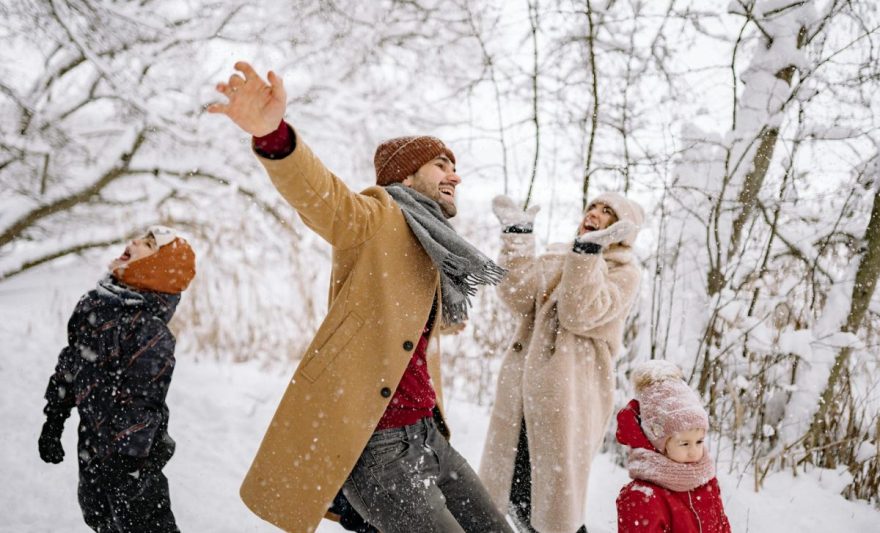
x,y
327,352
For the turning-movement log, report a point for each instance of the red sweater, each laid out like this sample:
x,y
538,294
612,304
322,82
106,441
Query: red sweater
x,y
414,398
645,507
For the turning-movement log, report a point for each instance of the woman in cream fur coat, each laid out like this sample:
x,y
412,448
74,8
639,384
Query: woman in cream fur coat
x,y
555,389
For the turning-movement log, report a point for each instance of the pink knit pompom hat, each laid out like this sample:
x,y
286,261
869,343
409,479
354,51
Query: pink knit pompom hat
x,y
667,404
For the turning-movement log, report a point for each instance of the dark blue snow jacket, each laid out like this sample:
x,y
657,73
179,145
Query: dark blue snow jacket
x,y
116,369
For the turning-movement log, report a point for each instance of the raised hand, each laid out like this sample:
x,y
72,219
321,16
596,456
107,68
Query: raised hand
x,y
510,214
254,106
613,234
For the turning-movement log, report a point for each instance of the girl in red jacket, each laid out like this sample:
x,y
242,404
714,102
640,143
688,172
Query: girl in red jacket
x,y
674,489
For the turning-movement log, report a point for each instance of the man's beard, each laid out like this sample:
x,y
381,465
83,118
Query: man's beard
x,y
447,205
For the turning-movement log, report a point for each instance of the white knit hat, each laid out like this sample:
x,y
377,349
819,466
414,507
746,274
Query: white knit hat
x,y
163,234
667,405
625,209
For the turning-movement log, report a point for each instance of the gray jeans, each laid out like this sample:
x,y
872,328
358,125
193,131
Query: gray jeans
x,y
410,479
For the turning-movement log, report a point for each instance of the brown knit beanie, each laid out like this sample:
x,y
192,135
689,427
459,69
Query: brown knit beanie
x,y
170,269
398,158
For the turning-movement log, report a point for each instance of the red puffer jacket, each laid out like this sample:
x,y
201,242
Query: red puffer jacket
x,y
645,507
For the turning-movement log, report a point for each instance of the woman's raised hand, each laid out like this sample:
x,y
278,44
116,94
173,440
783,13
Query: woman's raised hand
x,y
613,234
510,214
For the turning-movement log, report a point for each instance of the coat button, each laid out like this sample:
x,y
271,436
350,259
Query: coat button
x,y
385,392
517,346
408,345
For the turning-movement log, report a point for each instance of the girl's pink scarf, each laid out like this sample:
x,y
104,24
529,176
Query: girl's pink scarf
x,y
656,468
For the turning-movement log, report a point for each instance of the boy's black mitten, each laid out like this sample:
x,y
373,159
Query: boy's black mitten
x,y
51,450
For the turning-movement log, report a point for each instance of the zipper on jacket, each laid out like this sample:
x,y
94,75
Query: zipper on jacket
x,y
697,516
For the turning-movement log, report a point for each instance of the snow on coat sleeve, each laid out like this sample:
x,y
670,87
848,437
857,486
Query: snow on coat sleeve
x,y
60,397
517,289
326,205
60,392
143,386
590,296
641,510
718,509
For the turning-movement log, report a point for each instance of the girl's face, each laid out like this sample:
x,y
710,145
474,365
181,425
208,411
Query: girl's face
x,y
686,446
137,249
598,216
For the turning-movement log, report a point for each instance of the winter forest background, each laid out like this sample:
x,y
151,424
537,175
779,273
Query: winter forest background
x,y
747,128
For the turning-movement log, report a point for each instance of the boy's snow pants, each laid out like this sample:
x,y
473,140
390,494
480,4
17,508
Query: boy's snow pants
x,y
119,502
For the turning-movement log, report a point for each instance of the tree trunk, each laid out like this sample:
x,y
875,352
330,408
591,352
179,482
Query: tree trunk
x,y
594,116
827,416
754,180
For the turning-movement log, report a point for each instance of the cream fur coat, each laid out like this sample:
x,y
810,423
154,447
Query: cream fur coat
x,y
557,372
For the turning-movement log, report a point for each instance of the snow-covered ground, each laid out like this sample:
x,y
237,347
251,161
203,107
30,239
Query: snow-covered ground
x,y
219,412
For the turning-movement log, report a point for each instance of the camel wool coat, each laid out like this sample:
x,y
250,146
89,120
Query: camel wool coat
x,y
557,373
382,287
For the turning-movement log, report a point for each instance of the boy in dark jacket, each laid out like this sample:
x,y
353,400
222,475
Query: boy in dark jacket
x,y
116,369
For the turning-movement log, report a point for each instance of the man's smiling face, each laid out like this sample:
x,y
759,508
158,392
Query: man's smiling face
x,y
437,180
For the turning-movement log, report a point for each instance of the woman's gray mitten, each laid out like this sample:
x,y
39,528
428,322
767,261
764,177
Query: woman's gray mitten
x,y
511,216
613,234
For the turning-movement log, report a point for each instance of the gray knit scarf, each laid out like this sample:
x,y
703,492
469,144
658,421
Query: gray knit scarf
x,y
462,267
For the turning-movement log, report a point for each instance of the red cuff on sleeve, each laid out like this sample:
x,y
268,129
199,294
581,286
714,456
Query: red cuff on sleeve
x,y
276,145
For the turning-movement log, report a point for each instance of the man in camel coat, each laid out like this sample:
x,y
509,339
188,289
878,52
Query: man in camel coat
x,y
361,414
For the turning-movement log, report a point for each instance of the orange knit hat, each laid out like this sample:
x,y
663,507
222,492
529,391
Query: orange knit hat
x,y
398,158
170,269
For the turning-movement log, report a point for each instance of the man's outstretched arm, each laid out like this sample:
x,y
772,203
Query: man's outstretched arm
x,y
323,201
